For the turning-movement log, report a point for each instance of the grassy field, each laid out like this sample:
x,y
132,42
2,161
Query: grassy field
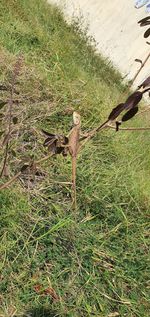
x,y
55,262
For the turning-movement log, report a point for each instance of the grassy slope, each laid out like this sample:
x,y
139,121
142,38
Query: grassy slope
x,y
98,262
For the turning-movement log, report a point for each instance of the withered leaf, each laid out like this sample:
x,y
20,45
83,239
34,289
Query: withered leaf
x,y
145,83
61,138
49,141
130,114
116,111
144,20
56,143
51,135
138,60
133,100
145,23
52,147
51,292
15,120
2,104
147,33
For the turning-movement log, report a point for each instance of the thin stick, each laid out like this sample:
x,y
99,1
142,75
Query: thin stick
x,y
10,181
94,131
43,159
129,129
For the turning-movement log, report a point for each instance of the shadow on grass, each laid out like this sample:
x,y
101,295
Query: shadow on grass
x,y
40,312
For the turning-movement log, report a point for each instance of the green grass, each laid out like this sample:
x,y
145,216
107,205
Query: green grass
x,y
97,260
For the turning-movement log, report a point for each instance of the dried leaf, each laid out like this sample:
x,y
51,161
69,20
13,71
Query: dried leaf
x,y
56,143
138,61
147,33
133,99
51,135
130,114
49,141
145,23
144,20
52,147
50,291
116,111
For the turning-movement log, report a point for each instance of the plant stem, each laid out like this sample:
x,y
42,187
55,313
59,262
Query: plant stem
x,y
139,70
130,129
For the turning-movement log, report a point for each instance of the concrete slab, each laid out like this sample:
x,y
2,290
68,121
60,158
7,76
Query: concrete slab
x,y
114,26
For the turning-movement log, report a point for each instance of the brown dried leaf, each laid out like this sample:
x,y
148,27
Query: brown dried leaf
x,y
116,111
147,33
133,99
144,20
51,292
130,114
138,61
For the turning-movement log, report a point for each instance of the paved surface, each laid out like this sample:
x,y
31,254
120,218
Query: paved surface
x,y
113,23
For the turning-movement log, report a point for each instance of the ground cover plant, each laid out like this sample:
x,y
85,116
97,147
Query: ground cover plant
x,y
55,262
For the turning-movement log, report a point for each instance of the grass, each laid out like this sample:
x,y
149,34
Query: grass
x,y
96,262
